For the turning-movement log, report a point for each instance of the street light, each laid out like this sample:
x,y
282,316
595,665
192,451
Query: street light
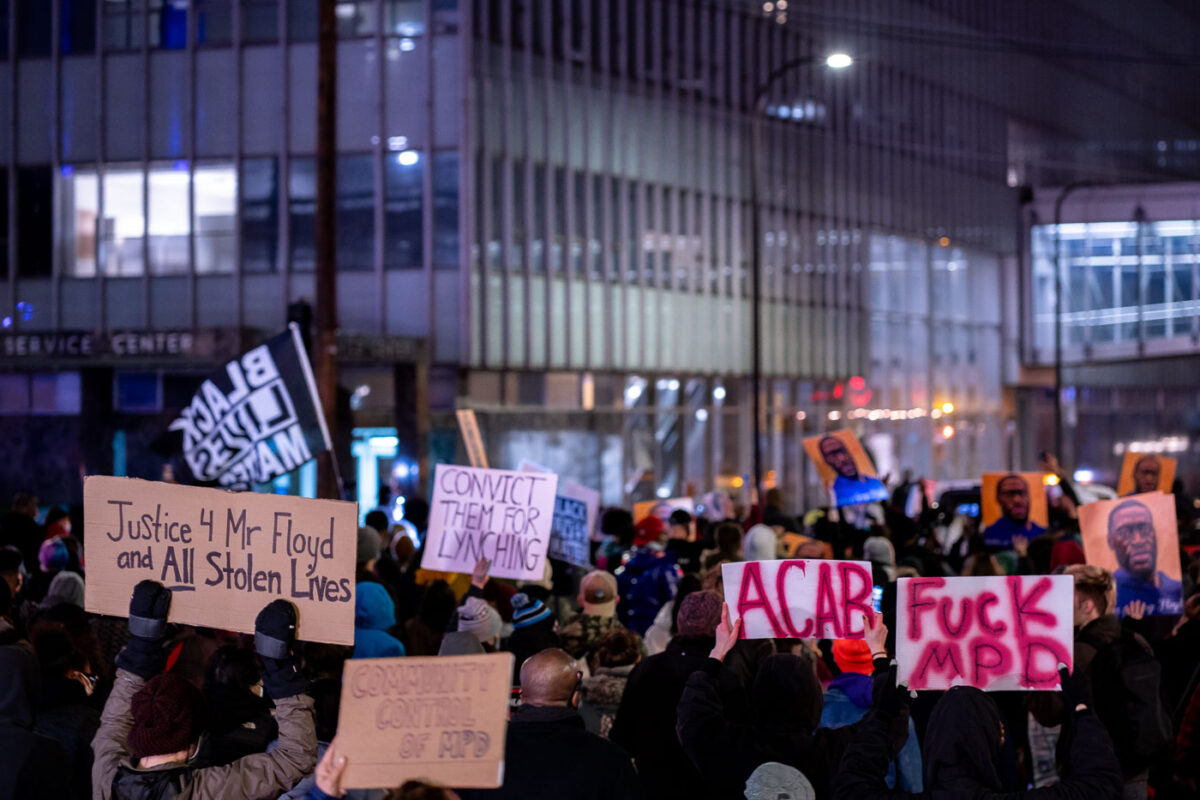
x,y
837,61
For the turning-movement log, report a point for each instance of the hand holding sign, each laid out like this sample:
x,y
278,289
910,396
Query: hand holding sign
x,y
994,633
727,636
330,771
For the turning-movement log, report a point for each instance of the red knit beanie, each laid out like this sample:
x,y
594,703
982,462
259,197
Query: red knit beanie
x,y
167,716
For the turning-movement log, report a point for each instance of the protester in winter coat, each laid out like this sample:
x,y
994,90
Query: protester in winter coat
x,y
785,712
533,631
848,699
646,582
374,615
31,765
645,721
598,600
239,718
423,633
962,750
147,742
547,752
615,657
65,711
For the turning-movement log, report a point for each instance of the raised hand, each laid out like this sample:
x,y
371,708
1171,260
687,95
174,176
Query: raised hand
x,y
727,635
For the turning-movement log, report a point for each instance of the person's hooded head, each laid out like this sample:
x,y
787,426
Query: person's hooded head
x,y
962,743
67,587
759,544
786,695
368,548
168,715
19,689
775,781
374,614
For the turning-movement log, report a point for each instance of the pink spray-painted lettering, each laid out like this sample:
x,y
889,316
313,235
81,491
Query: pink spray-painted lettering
x,y
799,598
994,633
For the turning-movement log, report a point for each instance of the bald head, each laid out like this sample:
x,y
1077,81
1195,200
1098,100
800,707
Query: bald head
x,y
549,678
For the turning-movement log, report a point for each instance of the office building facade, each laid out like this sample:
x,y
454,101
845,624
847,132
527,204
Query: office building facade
x,y
543,212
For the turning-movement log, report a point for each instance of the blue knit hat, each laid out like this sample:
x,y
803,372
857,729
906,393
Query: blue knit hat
x,y
527,611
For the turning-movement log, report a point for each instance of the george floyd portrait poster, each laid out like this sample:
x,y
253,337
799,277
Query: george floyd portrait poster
x,y
1136,539
1145,472
845,468
1012,504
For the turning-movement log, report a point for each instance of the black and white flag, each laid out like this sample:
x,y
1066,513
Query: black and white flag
x,y
256,418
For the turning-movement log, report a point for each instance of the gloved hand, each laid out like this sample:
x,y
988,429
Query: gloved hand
x,y
275,640
1076,691
143,654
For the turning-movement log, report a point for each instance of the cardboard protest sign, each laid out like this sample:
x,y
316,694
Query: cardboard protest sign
x,y
469,425
799,599
440,720
1012,504
995,633
845,468
1146,472
1137,540
575,491
493,513
569,532
256,418
224,555
662,508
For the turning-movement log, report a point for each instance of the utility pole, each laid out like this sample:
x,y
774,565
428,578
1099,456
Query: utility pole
x,y
329,484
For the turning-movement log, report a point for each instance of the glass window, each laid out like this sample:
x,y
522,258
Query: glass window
x,y
302,208
302,20
214,22
260,214
356,18
215,189
168,24
33,28
55,393
78,221
445,209
260,20
35,220
169,219
14,394
77,26
404,17
123,226
123,24
137,392
355,213
403,208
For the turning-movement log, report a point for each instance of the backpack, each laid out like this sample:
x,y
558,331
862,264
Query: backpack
x,y
1126,683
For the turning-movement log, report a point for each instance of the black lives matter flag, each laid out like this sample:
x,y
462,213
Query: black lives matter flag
x,y
256,418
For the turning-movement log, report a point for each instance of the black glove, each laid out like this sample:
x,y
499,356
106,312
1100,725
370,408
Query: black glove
x,y
275,640
143,654
1076,691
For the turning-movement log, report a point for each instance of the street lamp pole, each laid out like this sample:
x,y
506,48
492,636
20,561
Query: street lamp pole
x,y
836,61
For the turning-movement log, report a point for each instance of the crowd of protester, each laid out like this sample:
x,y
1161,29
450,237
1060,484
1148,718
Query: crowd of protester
x,y
629,680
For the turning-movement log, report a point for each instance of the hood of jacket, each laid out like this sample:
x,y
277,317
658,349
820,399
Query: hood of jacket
x,y
19,689
373,608
962,741
786,695
855,686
